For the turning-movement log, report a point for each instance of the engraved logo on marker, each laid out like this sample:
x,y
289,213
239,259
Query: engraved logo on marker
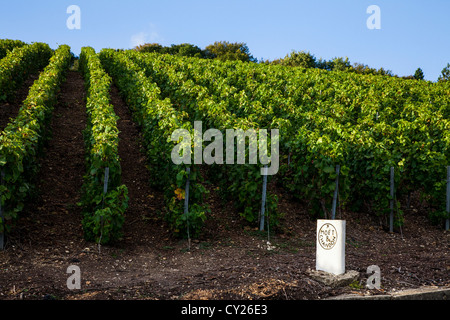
x,y
327,236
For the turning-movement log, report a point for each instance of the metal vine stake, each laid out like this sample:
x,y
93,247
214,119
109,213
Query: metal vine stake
x,y
336,190
186,206
105,190
391,202
263,202
2,217
447,222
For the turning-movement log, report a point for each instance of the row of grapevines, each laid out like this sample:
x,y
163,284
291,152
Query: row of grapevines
x,y
19,64
385,114
158,121
236,102
7,45
242,183
103,213
406,119
213,77
400,116
397,125
342,96
22,140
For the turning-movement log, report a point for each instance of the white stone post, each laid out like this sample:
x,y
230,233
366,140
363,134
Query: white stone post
x,y
330,246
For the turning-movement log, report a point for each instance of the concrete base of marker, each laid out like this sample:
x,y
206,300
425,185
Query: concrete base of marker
x,y
330,246
334,280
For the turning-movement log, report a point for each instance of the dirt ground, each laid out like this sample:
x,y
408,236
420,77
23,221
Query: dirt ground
x,y
9,109
231,260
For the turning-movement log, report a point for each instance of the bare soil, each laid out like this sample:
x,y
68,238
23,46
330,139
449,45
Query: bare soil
x,y
230,260
10,109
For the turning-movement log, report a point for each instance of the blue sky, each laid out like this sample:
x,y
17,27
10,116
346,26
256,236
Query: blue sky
x,y
413,33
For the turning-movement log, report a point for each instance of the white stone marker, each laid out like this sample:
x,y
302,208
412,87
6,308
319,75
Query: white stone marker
x,y
330,246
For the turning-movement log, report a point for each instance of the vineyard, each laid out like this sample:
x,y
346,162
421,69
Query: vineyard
x,y
88,178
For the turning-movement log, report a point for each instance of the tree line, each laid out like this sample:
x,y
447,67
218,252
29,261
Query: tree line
x,y
226,51
221,50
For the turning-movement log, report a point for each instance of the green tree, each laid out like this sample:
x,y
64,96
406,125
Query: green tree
x,y
384,72
184,49
362,68
324,64
445,73
190,50
149,47
224,51
340,64
418,75
298,59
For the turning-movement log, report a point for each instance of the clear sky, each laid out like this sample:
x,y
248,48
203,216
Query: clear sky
x,y
413,34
